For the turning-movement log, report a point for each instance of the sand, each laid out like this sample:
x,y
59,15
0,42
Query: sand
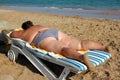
x,y
104,31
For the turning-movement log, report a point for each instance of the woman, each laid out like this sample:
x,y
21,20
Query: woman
x,y
56,41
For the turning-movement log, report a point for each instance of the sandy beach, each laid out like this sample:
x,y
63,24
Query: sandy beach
x,y
104,31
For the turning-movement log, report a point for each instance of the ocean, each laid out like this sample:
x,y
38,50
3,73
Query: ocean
x,y
109,9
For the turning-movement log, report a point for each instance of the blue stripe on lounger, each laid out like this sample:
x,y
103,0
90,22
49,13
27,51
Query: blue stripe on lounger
x,y
96,59
108,55
102,60
40,53
97,55
75,63
95,63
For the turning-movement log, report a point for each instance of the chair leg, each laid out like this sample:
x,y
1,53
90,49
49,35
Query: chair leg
x,y
64,74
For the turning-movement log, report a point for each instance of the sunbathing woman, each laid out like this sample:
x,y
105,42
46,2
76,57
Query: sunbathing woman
x,y
56,41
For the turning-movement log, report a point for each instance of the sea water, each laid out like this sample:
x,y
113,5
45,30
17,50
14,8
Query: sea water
x,y
83,8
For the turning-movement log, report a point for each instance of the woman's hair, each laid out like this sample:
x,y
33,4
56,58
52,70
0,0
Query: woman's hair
x,y
27,25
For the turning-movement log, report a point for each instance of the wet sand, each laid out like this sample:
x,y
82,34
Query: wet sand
x,y
104,31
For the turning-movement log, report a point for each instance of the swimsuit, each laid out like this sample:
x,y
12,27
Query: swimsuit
x,y
45,34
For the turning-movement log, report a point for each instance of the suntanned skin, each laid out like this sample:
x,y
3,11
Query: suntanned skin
x,y
29,34
65,45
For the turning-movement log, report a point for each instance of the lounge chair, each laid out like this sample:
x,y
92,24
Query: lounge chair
x,y
38,56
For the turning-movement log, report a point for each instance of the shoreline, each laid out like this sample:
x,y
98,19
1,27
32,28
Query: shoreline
x,y
104,31
85,13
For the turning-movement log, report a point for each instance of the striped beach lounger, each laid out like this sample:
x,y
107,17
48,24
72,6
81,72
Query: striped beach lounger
x,y
37,56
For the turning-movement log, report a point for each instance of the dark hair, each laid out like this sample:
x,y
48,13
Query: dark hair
x,y
27,25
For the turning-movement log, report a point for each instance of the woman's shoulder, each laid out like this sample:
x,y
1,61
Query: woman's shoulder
x,y
16,33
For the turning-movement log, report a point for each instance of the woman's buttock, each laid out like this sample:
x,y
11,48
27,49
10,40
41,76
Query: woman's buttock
x,y
51,44
74,43
69,41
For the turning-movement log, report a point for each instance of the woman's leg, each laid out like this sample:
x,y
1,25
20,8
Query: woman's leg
x,y
72,53
57,47
92,45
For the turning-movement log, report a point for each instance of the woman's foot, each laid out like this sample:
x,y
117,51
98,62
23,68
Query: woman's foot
x,y
110,50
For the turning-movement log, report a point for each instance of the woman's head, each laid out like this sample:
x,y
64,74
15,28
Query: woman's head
x,y
27,25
